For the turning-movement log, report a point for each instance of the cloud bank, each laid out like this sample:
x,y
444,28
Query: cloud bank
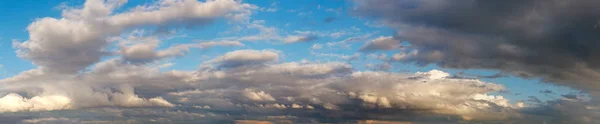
x,y
552,40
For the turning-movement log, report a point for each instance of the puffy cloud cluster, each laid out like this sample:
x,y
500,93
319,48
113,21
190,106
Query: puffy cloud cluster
x,y
311,92
79,39
334,88
554,40
325,89
109,84
63,48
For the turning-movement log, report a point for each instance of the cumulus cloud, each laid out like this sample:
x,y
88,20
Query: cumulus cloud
x,y
336,88
63,46
72,94
553,40
78,39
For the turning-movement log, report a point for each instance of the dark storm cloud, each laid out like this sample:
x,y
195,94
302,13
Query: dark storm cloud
x,y
556,40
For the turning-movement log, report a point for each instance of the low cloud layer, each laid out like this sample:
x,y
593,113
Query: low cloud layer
x,y
327,90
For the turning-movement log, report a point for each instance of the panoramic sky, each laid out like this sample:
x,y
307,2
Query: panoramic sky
x,y
300,61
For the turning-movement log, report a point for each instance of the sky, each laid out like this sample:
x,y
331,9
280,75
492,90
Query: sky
x,y
304,61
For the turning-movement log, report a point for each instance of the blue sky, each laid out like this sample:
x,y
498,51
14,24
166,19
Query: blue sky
x,y
309,35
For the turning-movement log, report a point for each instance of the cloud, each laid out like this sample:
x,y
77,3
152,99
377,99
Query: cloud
x,y
316,46
297,39
379,67
381,43
246,57
552,40
258,96
312,91
335,87
338,56
51,121
62,96
147,52
560,111
78,39
248,86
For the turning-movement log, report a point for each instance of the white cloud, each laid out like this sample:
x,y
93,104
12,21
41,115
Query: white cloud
x,y
257,95
316,46
64,98
296,39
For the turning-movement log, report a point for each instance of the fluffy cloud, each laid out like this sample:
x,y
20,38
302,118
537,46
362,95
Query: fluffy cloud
x,y
77,40
72,94
553,40
322,88
336,88
63,46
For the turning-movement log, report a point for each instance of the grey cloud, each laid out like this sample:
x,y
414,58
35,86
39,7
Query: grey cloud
x,y
147,52
246,57
555,40
534,99
560,112
51,121
381,43
331,89
313,92
379,67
